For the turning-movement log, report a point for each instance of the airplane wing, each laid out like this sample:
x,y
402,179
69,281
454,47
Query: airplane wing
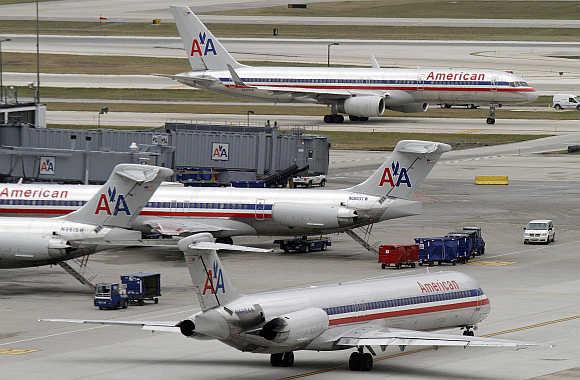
x,y
178,226
161,326
374,336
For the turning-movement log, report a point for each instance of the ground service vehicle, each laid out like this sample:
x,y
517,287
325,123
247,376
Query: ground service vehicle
x,y
539,231
398,255
142,286
478,247
303,245
110,296
565,101
309,181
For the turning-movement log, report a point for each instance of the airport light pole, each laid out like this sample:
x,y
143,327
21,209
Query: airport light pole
x,y
2,97
102,111
249,113
328,52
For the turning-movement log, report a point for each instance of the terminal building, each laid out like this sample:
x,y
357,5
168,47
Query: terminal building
x,y
200,154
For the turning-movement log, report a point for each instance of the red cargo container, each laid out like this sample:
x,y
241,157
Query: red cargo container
x,y
398,255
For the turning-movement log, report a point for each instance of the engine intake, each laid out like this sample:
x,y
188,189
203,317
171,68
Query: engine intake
x,y
363,106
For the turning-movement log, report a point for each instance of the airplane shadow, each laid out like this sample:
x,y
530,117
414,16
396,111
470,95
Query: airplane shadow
x,y
301,368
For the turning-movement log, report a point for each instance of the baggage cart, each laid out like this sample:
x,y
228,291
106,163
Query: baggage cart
x,y
398,255
142,287
434,250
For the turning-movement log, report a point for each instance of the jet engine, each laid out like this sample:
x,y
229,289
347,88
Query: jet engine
x,y
410,108
22,250
187,327
363,106
312,215
296,328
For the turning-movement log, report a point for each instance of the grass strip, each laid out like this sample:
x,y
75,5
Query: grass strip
x,y
388,140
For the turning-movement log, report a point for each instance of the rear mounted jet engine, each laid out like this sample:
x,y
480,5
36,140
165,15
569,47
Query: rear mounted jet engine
x,y
312,215
411,108
297,328
363,106
187,327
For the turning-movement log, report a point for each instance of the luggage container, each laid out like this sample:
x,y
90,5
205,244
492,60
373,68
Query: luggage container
x,y
435,250
142,286
465,247
398,255
478,242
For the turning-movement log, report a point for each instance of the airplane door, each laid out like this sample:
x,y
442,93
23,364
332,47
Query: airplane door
x,y
420,83
260,207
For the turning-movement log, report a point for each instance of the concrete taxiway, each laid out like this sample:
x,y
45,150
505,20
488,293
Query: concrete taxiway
x,y
533,289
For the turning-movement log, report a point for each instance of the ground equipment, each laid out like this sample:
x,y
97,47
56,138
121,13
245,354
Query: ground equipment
x,y
142,286
110,296
398,255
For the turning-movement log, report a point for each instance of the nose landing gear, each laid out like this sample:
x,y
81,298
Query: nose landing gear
x,y
283,359
491,117
468,331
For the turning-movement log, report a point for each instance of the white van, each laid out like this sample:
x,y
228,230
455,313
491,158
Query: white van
x,y
562,101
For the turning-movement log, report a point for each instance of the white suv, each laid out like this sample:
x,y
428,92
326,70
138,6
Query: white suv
x,y
539,231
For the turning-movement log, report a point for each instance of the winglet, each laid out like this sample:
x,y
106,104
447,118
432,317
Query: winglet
x,y
235,77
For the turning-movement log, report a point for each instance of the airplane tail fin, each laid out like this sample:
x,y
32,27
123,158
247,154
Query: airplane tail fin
x,y
404,171
211,283
204,51
120,200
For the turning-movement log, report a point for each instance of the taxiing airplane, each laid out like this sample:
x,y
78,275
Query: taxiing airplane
x,y
398,311
227,212
103,220
359,93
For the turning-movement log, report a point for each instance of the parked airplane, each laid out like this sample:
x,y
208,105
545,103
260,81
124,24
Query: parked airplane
x,y
361,314
104,219
358,92
227,212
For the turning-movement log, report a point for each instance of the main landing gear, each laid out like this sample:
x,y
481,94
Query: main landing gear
x,y
468,331
283,359
334,119
360,361
491,117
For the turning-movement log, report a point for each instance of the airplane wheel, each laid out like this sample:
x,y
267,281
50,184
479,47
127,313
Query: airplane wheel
x,y
276,360
490,120
366,362
468,333
339,119
354,118
354,362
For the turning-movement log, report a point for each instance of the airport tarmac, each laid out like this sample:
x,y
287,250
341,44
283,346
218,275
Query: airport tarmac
x,y
533,289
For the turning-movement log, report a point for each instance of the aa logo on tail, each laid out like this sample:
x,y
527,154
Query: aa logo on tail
x,y
395,176
118,203
214,280
202,46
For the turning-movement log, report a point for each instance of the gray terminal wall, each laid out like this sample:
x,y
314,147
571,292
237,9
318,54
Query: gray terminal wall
x,y
89,155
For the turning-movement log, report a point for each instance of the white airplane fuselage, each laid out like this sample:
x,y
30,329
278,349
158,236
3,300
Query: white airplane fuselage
x,y
247,211
317,314
399,87
43,241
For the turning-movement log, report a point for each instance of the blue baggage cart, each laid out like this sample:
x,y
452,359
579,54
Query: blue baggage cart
x,y
478,242
465,248
437,250
142,286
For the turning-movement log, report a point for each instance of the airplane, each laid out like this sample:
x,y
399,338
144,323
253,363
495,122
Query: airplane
x,y
359,93
399,311
226,212
102,221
